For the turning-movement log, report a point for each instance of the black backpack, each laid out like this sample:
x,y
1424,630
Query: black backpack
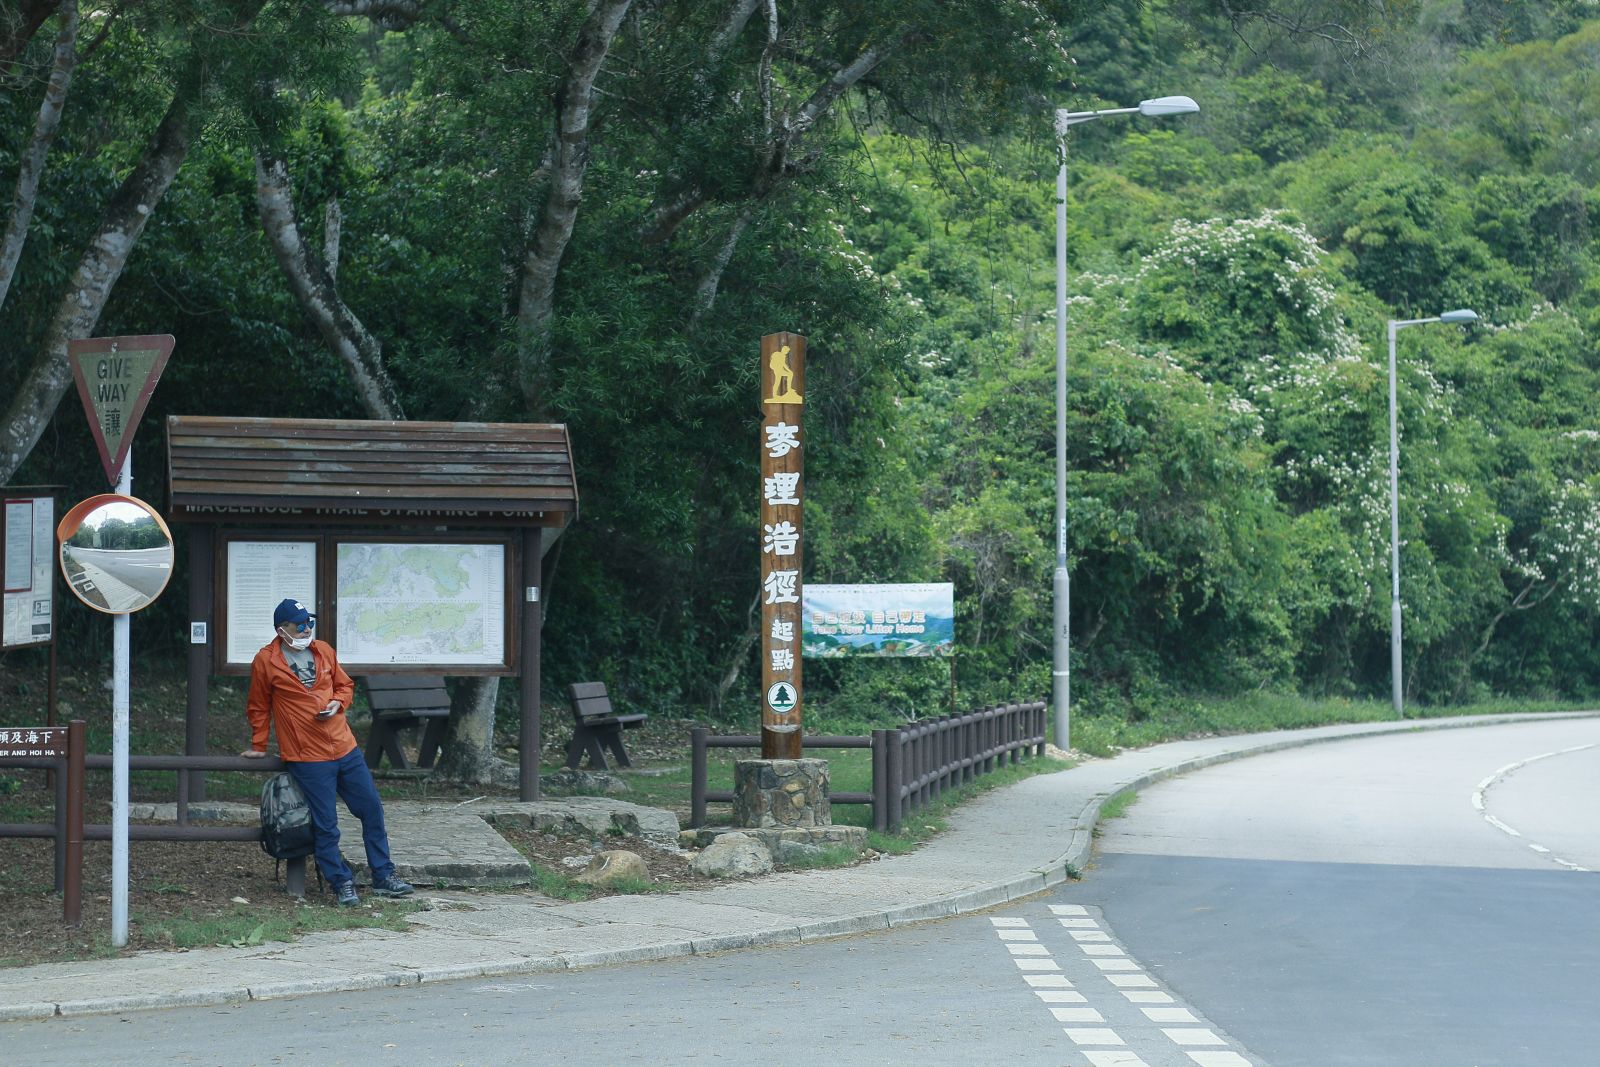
x,y
285,819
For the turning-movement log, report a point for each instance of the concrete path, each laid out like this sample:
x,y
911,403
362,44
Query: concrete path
x,y
1006,845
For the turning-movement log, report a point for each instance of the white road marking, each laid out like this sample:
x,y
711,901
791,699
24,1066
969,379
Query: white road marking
x,y
1115,964
1091,1035
1068,909
1067,1004
1480,803
1192,1036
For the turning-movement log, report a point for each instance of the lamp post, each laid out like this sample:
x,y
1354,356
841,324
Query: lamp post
x,y
1462,316
1061,662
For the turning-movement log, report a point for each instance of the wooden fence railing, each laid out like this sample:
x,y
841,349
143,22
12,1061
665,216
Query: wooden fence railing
x,y
912,765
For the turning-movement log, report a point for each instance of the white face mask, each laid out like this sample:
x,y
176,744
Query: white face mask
x,y
295,640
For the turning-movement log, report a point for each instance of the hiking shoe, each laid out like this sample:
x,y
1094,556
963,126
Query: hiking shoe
x,y
346,892
391,887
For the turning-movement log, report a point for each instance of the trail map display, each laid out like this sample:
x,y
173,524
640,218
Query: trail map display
x,y
435,604
29,570
259,575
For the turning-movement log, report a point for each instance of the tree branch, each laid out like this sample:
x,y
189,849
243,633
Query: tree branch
x,y
44,134
97,272
18,24
542,262
314,288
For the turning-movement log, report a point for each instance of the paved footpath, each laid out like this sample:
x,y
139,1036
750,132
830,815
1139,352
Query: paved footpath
x,y
1003,846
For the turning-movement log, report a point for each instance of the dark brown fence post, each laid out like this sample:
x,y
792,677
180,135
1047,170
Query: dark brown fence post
x,y
897,778
880,780
697,775
72,891
61,788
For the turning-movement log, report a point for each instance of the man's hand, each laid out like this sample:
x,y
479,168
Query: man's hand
x,y
331,709
251,753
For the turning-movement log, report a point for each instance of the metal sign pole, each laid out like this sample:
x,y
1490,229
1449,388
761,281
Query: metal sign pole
x,y
119,754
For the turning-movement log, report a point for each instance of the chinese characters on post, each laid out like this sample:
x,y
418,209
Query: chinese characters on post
x,y
782,397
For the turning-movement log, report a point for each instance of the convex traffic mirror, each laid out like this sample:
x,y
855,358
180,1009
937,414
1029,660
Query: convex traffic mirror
x,y
116,553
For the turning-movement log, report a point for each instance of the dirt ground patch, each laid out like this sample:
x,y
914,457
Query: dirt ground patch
x,y
669,869
176,891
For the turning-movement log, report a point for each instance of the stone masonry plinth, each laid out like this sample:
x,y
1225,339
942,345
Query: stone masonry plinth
x,y
781,792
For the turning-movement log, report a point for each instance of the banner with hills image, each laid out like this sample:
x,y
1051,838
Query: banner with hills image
x,y
878,620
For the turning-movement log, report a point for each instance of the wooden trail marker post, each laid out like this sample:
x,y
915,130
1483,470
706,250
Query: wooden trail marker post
x,y
783,357
781,789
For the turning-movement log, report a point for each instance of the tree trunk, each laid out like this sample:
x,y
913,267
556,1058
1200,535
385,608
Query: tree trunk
x,y
550,238
314,288
44,133
469,738
124,220
18,25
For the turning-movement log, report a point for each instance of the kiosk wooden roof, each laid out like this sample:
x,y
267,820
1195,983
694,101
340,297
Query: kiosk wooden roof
x,y
331,470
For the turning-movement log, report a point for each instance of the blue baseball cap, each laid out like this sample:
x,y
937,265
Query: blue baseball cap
x,y
292,611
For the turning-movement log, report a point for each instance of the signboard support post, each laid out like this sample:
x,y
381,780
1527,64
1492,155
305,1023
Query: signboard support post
x,y
200,637
532,625
72,889
119,754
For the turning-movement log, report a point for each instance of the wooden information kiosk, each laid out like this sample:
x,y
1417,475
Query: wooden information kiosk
x,y
418,545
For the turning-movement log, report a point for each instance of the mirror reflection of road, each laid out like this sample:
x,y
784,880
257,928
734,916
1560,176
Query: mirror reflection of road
x,y
118,579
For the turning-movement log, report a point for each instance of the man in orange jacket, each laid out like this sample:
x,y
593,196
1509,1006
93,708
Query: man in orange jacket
x,y
296,683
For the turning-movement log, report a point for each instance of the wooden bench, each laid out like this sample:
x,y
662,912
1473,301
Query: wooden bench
x,y
400,701
596,726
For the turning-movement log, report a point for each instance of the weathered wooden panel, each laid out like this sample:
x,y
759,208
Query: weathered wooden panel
x,y
489,470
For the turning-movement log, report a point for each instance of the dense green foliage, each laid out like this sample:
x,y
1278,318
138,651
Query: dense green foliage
x,y
1231,277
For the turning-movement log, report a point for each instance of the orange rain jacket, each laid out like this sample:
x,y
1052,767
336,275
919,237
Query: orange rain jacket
x,y
277,696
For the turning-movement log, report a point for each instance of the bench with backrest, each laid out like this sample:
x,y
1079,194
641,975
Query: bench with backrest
x,y
597,726
400,701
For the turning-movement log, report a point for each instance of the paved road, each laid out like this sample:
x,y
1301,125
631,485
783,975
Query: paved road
x,y
1342,904
1408,901
119,579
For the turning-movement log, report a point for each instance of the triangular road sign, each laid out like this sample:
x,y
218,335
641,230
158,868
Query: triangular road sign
x,y
115,377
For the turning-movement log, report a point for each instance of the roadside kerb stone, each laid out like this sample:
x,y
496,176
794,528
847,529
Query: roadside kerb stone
x,y
844,926
295,987
649,953
200,998
777,935
23,1012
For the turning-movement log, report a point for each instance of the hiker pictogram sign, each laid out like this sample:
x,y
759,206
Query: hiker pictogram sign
x,y
115,377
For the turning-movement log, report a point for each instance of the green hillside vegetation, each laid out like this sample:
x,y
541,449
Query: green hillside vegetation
x,y
880,178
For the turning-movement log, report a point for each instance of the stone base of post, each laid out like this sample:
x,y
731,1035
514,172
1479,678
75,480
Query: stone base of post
x,y
781,792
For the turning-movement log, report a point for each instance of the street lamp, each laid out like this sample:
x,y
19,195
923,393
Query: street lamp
x,y
1062,681
1462,316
